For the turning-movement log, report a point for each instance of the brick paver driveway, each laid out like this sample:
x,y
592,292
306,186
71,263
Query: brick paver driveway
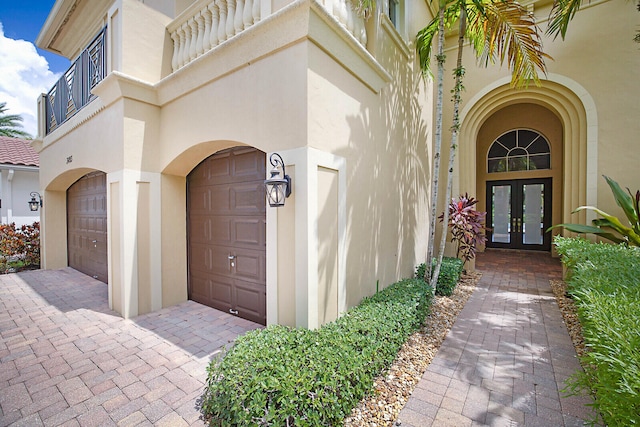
x,y
66,359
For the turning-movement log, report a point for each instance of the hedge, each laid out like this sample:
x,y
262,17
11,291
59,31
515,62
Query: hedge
x,y
450,273
604,282
281,376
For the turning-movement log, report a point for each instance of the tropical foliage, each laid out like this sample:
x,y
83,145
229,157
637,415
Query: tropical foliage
x,y
467,226
10,124
604,285
563,12
20,245
609,226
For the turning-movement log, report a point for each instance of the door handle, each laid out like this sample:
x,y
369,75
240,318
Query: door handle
x,y
95,243
232,260
231,257
234,312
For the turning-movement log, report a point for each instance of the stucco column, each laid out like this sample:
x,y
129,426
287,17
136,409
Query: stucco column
x,y
299,252
53,230
135,277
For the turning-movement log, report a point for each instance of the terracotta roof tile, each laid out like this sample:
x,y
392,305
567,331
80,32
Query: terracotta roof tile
x,y
15,151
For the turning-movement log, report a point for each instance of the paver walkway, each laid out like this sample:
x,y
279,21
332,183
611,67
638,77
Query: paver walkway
x,y
66,359
507,355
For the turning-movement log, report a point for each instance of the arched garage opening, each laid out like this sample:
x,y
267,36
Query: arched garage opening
x,y
226,233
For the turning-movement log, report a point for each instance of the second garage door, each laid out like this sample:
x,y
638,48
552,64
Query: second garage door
x,y
227,233
87,225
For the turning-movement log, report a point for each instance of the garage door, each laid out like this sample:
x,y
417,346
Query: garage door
x,y
227,233
87,225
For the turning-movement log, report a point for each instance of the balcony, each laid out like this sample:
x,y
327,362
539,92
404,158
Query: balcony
x,y
73,90
208,23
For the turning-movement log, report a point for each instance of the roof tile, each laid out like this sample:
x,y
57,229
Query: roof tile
x,y
16,151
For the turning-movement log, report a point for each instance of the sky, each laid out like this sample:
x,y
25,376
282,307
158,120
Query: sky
x,y
25,71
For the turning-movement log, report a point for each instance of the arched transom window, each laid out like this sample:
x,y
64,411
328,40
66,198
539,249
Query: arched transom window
x,y
519,150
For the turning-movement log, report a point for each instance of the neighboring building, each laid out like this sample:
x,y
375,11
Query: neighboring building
x,y
155,145
19,177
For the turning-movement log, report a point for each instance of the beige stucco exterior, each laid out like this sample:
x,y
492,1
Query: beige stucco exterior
x,y
343,102
298,82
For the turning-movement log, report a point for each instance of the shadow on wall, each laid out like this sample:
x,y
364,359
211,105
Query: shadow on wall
x,y
388,176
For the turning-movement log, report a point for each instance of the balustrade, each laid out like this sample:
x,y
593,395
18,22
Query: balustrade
x,y
207,23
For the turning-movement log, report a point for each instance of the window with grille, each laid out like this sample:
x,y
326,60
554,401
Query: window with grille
x,y
519,150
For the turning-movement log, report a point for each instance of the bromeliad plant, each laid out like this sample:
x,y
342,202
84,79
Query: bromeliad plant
x,y
607,226
467,226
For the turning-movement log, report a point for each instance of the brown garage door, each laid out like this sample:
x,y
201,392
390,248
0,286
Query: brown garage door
x,y
87,225
227,232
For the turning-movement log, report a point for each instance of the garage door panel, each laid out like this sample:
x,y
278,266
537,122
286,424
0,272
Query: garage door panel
x,y
226,219
249,232
200,229
250,265
247,198
200,288
199,200
251,301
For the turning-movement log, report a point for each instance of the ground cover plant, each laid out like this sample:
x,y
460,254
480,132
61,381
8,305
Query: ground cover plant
x,y
281,376
450,273
603,281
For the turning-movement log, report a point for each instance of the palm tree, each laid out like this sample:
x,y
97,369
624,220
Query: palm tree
x,y
563,12
497,30
9,124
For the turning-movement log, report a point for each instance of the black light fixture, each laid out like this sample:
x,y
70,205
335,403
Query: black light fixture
x,y
278,187
33,203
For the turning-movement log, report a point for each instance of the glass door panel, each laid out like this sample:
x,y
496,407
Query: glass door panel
x,y
501,214
533,215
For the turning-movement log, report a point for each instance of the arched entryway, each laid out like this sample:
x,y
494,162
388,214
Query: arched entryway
x,y
87,225
559,103
226,229
519,175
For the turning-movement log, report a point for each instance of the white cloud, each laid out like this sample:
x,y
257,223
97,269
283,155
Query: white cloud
x,y
24,75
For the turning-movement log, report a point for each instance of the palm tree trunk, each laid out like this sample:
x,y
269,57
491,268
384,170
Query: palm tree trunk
x,y
435,172
457,90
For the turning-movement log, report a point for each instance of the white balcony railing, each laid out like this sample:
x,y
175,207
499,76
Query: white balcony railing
x,y
207,23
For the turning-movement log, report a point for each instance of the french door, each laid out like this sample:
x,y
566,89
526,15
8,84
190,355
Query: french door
x,y
519,213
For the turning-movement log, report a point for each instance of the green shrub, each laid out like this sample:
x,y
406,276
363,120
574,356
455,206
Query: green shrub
x,y
605,286
449,275
283,376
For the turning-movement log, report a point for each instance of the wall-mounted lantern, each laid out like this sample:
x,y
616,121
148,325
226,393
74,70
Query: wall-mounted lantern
x,y
33,203
278,187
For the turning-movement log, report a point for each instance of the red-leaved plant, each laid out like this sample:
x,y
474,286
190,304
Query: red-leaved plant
x,y
467,226
23,243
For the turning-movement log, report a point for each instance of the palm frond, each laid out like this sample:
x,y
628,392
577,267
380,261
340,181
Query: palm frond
x,y
506,30
424,42
561,14
426,36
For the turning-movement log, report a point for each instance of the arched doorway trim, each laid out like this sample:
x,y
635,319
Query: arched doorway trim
x,y
576,110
